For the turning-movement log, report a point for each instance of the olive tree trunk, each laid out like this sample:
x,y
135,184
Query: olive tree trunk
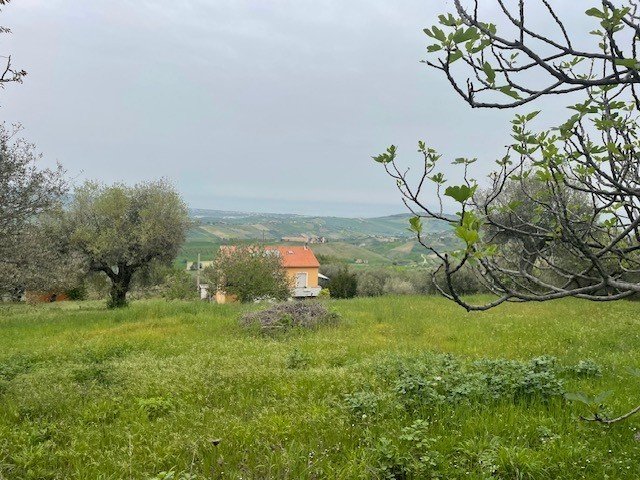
x,y
120,284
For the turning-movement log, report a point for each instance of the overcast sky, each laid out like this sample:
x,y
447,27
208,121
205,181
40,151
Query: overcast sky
x,y
261,105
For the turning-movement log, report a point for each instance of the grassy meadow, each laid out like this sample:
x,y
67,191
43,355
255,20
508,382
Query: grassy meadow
x,y
397,390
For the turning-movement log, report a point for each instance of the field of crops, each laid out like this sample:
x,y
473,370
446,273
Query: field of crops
x,y
402,387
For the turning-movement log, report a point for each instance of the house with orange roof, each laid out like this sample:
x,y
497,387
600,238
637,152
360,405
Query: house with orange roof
x,y
300,264
302,267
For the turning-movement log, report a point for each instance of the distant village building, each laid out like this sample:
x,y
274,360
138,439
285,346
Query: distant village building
x,y
298,239
386,239
304,239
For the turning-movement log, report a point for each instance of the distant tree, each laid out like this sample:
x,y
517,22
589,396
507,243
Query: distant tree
x,y
371,283
586,205
249,273
398,286
119,230
343,284
178,285
29,256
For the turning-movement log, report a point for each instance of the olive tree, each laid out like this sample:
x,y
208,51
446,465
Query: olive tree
x,y
249,273
120,229
29,257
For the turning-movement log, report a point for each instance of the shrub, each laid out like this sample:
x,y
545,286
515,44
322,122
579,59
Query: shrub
x,y
286,316
179,285
371,283
464,282
432,380
520,381
362,404
397,286
421,281
77,293
586,368
249,273
343,284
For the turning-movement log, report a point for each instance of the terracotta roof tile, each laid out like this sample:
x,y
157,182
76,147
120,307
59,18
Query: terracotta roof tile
x,y
292,256
296,256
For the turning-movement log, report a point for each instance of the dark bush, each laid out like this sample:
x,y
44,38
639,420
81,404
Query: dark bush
x,y
287,316
398,286
343,284
371,283
465,282
179,285
77,293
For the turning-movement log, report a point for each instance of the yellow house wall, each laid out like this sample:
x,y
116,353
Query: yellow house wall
x,y
312,275
222,297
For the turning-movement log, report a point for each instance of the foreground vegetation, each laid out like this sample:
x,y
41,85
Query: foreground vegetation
x,y
401,387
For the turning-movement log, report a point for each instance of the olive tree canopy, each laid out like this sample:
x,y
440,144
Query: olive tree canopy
x,y
28,258
120,229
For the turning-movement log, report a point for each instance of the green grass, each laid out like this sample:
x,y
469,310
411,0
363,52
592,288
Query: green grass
x,y
95,394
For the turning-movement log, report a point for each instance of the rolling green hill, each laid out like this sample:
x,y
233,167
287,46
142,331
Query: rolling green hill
x,y
364,241
224,226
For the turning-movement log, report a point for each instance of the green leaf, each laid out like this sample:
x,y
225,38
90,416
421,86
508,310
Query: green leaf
x,y
628,63
449,20
387,157
594,12
428,32
469,236
455,55
438,178
434,48
508,90
532,115
489,72
415,225
578,397
601,397
460,193
463,35
438,34
544,176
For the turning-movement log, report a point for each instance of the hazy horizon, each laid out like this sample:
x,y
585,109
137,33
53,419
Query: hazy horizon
x,y
267,211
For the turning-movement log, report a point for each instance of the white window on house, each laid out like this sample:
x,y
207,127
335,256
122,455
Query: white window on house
x,y
301,280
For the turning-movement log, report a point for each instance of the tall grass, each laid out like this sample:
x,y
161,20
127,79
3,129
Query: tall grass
x,y
180,387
